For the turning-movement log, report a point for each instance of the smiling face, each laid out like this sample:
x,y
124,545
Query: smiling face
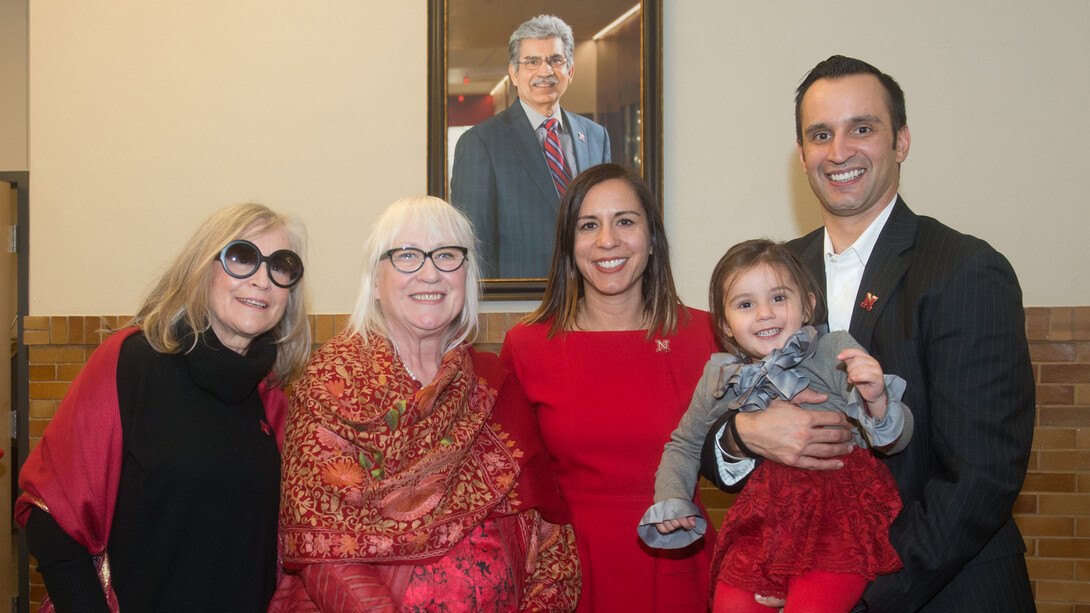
x,y
612,241
762,309
541,88
419,305
243,309
848,150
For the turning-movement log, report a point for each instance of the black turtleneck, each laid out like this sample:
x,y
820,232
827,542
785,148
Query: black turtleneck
x,y
194,526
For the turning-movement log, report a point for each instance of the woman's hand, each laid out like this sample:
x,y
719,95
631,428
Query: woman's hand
x,y
682,523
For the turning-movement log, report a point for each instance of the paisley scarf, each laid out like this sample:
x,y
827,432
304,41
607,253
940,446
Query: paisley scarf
x,y
377,470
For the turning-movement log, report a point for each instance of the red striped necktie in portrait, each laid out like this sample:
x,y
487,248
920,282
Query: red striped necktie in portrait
x,y
554,155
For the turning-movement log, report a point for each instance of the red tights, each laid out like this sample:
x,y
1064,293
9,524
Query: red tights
x,y
813,592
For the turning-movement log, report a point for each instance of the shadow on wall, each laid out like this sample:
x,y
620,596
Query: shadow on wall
x,y
804,205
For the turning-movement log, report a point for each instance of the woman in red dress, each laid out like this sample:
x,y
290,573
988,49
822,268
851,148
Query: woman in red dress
x,y
609,361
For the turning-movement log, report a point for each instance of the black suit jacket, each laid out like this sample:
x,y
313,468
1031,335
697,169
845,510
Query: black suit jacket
x,y
948,318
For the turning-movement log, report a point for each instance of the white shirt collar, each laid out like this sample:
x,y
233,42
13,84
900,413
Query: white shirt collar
x,y
536,118
864,245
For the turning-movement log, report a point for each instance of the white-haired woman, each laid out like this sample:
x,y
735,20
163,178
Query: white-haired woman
x,y
414,474
155,486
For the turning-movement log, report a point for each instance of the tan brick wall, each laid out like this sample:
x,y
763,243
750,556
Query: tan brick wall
x,y
1053,510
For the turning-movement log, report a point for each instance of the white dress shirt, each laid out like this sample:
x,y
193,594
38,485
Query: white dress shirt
x,y
844,270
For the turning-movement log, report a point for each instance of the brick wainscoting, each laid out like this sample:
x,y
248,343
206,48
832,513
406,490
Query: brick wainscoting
x,y
1053,509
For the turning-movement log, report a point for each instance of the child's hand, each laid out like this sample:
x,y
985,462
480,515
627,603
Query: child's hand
x,y
865,374
682,523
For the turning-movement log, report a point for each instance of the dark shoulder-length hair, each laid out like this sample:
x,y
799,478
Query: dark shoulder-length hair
x,y
565,285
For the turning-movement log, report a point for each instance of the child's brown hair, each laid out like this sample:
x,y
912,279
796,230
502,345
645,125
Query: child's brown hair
x,y
743,257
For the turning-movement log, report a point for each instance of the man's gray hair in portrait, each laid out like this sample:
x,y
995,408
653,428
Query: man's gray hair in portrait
x,y
541,27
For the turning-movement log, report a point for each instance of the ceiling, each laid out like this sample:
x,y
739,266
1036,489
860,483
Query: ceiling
x,y
478,31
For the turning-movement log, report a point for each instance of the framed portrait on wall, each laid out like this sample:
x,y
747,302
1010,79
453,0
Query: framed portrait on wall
x,y
487,152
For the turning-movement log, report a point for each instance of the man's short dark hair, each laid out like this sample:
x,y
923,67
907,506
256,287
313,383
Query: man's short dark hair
x,y
841,66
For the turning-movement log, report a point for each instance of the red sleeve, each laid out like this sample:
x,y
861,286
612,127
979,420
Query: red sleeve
x,y
276,409
536,484
73,472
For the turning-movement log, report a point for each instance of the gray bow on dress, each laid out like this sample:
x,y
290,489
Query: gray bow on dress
x,y
774,377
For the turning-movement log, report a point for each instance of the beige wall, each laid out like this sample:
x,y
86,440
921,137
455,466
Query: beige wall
x,y
996,94
146,117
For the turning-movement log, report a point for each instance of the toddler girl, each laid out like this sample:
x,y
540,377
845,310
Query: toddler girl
x,y
814,537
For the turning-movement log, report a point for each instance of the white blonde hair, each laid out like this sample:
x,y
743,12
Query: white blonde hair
x,y
439,222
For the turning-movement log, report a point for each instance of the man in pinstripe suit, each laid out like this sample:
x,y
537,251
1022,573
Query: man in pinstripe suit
x,y
944,311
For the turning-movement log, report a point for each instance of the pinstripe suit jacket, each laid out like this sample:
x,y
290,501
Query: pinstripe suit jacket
x,y
501,181
949,319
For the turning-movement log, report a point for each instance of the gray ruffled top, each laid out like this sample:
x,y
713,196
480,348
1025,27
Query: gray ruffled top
x,y
808,359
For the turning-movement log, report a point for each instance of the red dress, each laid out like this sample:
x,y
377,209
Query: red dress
x,y
607,403
788,521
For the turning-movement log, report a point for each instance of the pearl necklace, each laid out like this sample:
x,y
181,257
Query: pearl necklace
x,y
405,365
409,370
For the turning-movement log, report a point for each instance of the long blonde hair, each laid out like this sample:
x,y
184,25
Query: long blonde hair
x,y
182,294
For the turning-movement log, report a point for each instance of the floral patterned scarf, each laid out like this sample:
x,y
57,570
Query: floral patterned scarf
x,y
377,470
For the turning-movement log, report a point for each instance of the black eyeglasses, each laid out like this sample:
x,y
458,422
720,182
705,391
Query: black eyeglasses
x,y
411,259
556,62
241,259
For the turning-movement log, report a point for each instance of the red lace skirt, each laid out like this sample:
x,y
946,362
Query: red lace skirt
x,y
787,521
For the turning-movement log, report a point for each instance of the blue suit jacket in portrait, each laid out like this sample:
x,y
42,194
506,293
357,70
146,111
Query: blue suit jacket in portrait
x,y
502,182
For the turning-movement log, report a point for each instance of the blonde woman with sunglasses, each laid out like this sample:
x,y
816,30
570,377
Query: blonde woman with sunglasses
x,y
155,487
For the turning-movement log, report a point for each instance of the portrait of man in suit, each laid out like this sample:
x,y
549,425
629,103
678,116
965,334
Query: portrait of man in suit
x,y
510,170
941,309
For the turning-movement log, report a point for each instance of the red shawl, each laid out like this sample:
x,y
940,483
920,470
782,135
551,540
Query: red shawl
x,y
376,470
73,472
